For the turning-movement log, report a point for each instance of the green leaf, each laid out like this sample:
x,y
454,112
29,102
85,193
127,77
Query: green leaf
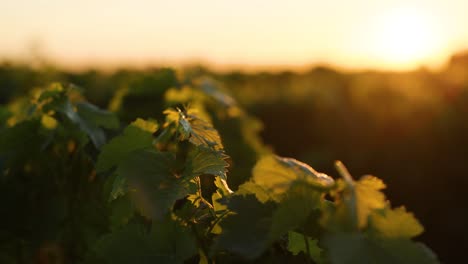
x,y
212,89
21,141
122,209
297,244
154,187
89,118
277,174
97,117
137,135
253,188
223,187
128,245
4,115
246,230
355,200
396,223
197,129
362,197
350,248
119,187
168,242
203,160
173,240
294,209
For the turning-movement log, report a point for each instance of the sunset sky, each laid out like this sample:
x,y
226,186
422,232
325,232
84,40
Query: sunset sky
x,y
394,35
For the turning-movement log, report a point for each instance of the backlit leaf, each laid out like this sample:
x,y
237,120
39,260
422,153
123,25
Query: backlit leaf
x,y
277,174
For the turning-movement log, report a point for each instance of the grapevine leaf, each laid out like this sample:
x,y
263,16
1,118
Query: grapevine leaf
x,y
203,160
20,141
212,89
153,185
349,248
223,187
246,231
295,207
253,188
88,117
277,174
97,117
122,209
297,244
128,245
197,129
137,135
396,223
168,242
174,240
356,200
364,196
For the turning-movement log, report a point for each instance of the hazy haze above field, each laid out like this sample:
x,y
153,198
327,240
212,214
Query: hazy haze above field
x,y
393,35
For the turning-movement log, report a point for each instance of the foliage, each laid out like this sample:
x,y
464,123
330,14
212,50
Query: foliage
x,y
158,190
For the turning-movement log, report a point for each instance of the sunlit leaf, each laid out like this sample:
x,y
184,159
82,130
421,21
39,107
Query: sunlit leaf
x,y
48,122
252,188
203,160
277,174
363,197
396,223
192,125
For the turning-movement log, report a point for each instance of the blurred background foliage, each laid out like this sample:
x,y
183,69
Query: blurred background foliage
x,y
408,128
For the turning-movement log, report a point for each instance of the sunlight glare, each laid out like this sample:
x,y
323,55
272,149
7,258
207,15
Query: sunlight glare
x,y
406,37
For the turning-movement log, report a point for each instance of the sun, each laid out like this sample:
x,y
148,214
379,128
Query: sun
x,y
405,37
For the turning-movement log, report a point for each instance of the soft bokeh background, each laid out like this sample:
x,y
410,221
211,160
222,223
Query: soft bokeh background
x,y
391,100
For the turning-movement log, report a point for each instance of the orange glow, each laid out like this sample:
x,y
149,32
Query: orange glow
x,y
254,34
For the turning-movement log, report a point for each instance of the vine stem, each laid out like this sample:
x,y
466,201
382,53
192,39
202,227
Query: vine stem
x,y
201,242
216,221
343,171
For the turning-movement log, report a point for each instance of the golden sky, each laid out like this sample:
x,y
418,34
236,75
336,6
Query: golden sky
x,y
394,34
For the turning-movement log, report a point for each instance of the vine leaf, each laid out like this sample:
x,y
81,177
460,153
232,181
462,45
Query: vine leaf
x,y
91,119
277,174
137,135
361,228
294,209
396,223
153,185
297,244
168,242
195,127
88,117
203,160
246,230
350,248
